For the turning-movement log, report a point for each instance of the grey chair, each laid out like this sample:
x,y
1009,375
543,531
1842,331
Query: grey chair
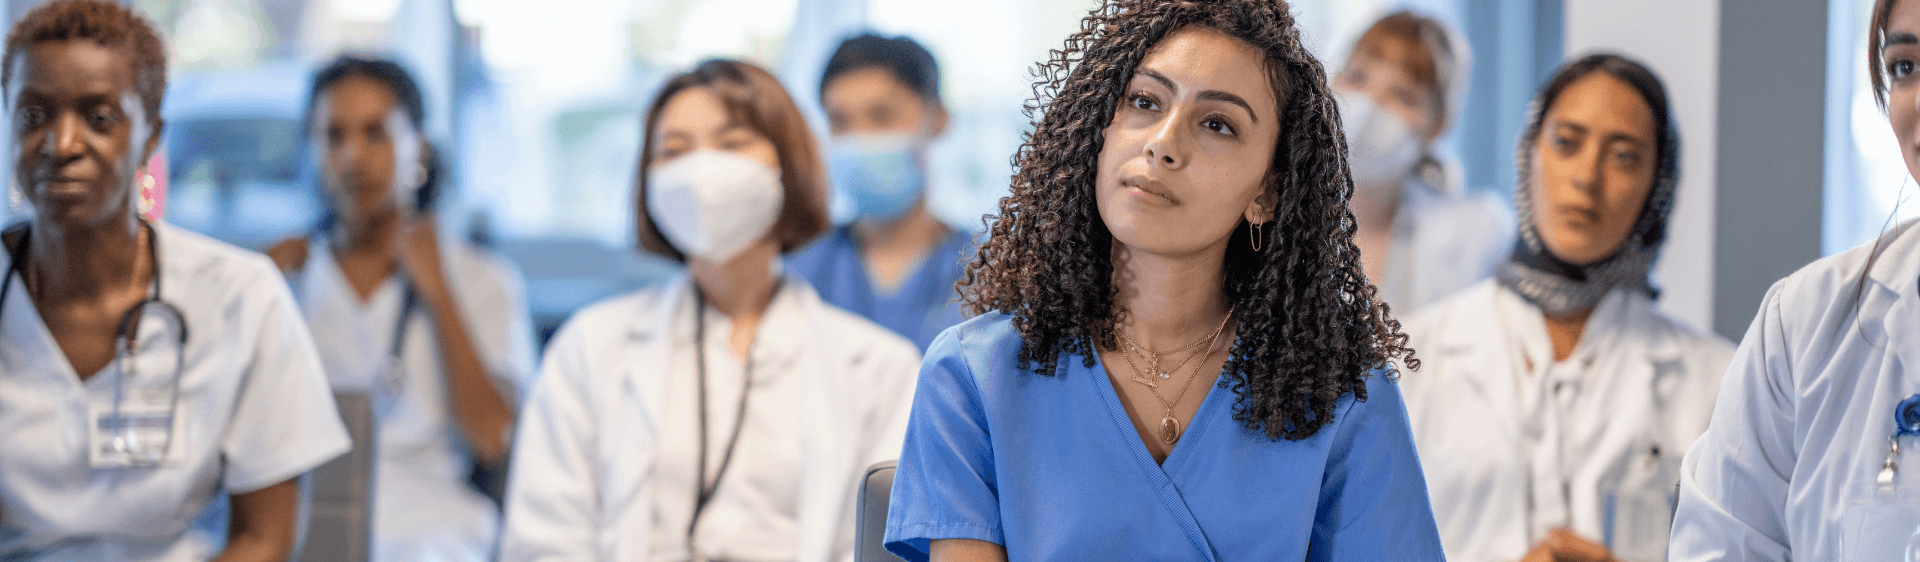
x,y
870,526
340,524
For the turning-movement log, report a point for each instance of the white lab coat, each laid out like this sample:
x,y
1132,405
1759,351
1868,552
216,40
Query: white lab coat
x,y
589,434
1443,243
1515,444
1787,469
254,411
423,507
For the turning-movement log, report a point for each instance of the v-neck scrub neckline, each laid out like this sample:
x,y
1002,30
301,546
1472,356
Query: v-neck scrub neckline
x,y
1000,454
1192,430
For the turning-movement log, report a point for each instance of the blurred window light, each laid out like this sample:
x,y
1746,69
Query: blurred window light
x,y
218,34
363,10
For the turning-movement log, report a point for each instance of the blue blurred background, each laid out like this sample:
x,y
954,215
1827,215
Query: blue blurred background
x,y
536,105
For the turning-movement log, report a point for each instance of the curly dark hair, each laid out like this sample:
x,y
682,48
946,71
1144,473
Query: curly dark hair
x,y
1310,328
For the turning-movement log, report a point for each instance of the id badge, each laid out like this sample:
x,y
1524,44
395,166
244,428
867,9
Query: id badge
x,y
146,433
1639,524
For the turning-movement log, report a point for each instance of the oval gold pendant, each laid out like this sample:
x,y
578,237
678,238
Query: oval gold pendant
x,y
1169,430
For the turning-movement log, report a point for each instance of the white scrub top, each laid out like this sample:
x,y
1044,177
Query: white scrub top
x,y
603,464
1788,468
254,411
1443,243
1516,444
423,507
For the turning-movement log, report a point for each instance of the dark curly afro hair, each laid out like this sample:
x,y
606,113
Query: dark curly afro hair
x,y
1310,327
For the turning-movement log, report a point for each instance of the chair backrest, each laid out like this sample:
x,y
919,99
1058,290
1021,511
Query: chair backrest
x,y
340,527
870,526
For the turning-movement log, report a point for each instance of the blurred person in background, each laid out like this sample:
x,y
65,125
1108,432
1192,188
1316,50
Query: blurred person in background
x,y
435,329
1555,400
1811,451
144,369
728,414
896,263
1420,238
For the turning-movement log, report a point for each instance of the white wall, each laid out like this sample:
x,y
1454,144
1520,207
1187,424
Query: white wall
x,y
1680,41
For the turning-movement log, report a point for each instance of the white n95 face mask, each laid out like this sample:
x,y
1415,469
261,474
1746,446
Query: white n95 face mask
x,y
880,172
1381,147
712,204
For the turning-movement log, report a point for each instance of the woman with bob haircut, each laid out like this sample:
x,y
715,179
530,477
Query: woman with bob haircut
x,y
1177,356
726,414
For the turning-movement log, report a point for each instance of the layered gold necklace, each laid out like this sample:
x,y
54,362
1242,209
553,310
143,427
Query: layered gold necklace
x,y
1169,425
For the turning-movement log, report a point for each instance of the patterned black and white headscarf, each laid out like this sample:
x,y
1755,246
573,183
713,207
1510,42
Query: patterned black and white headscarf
x,y
1561,288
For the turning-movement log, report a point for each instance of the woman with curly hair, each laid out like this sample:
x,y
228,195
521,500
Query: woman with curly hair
x,y
1177,356
1556,397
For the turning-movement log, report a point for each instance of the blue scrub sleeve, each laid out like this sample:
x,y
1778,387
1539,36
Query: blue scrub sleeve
x,y
944,486
1373,497
1734,481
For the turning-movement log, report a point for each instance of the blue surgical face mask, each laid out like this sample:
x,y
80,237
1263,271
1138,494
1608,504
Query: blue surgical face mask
x,y
880,173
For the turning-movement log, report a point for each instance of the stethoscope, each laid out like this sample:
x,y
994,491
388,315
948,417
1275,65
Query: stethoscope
x,y
394,379
126,441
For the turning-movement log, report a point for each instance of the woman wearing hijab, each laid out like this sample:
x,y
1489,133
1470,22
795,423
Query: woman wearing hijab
x,y
1555,400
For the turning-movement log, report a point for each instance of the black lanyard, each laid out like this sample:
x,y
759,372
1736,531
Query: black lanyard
x,y
704,489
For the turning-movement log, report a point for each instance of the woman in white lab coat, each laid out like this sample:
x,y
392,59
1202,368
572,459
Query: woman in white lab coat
x,y
1420,237
1797,463
435,330
144,370
1555,400
727,414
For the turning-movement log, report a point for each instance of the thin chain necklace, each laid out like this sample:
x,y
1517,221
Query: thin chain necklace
x,y
1170,425
1153,357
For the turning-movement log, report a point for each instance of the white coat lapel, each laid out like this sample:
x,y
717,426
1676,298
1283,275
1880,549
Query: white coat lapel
x,y
1474,346
651,348
630,429
825,474
1897,276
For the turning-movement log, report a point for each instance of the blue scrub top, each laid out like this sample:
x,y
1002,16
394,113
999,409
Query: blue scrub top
x,y
1078,484
923,304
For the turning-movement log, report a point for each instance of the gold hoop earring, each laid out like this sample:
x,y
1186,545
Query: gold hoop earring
x,y
1253,234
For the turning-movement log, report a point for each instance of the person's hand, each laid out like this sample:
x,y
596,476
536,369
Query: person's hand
x,y
1562,545
420,257
289,255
